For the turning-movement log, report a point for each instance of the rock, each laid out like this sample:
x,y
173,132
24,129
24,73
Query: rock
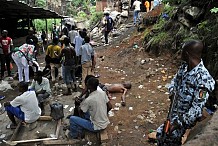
x,y
194,12
116,128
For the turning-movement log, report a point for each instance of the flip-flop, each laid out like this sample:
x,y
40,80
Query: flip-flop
x,y
11,126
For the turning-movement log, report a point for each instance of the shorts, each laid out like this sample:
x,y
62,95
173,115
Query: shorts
x,y
16,111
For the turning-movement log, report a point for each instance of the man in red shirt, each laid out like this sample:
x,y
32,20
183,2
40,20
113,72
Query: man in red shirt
x,y
5,48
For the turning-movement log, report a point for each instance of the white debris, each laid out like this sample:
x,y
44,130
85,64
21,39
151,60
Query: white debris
x,y
159,87
2,136
118,104
66,106
130,108
4,86
71,109
110,113
116,108
114,97
140,86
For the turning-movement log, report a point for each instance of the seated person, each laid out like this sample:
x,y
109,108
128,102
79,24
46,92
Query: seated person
x,y
95,106
110,88
41,86
24,107
84,95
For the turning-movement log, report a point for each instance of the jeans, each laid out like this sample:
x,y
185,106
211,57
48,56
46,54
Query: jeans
x,y
78,125
5,59
106,33
67,72
16,111
135,16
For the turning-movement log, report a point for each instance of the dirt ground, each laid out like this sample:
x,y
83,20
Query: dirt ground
x,y
147,102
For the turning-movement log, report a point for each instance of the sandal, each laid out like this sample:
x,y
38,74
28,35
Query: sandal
x,y
11,126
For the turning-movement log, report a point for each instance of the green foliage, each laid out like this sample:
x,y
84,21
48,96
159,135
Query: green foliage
x,y
40,3
160,24
168,9
96,16
175,1
160,37
40,24
81,14
146,33
214,10
202,25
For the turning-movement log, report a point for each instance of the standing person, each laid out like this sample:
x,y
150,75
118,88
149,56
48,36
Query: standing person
x,y
24,107
78,41
87,59
41,86
68,56
72,34
52,53
136,6
23,57
55,33
108,26
94,109
191,86
31,36
147,6
43,36
6,44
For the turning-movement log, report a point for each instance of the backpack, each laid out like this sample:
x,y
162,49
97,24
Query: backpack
x,y
109,24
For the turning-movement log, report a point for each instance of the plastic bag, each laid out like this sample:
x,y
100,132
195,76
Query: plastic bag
x,y
57,111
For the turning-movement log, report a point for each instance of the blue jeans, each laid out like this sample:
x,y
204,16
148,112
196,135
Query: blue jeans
x,y
67,74
135,16
78,125
16,111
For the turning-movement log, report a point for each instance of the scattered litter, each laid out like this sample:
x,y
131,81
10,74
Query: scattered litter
x,y
116,108
119,132
167,93
2,136
118,104
114,98
140,86
140,117
163,71
136,127
159,87
164,78
130,108
134,121
116,128
66,106
152,92
144,135
110,113
71,109
89,143
52,136
4,86
123,78
170,77
130,132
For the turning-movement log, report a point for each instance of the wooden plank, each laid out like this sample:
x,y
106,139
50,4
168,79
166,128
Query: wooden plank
x,y
16,131
58,128
45,118
26,141
60,142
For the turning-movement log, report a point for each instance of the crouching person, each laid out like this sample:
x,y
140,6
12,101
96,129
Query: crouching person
x,y
24,107
94,110
41,86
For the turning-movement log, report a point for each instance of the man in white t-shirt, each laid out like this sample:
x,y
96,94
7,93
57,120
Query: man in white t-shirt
x,y
94,109
24,107
136,6
72,34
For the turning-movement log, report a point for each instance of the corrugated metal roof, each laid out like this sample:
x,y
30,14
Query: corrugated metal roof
x,y
16,9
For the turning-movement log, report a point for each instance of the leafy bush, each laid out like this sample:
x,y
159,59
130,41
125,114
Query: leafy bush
x,y
160,37
96,16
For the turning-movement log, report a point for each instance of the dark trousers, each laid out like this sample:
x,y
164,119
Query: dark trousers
x,y
5,59
106,33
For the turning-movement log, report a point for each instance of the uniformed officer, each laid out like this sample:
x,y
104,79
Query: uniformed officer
x,y
192,85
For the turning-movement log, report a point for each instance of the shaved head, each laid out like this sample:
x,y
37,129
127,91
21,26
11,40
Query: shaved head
x,y
192,49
